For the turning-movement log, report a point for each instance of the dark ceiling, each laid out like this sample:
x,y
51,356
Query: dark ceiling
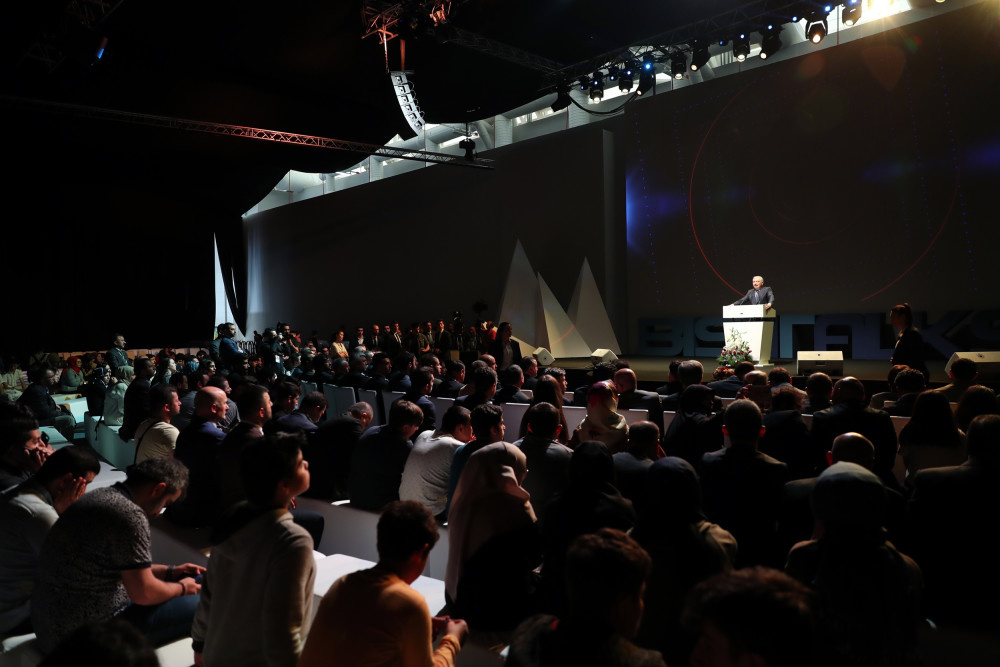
x,y
298,66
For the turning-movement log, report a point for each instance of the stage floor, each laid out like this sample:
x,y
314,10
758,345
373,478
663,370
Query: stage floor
x,y
656,369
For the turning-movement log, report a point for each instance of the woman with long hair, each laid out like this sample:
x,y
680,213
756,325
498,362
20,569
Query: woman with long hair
x,y
548,390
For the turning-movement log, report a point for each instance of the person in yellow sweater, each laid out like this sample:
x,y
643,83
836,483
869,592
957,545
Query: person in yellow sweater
x,y
373,618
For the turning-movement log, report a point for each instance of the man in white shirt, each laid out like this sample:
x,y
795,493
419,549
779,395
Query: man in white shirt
x,y
157,436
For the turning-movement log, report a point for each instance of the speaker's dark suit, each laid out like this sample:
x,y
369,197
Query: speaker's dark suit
x,y
766,296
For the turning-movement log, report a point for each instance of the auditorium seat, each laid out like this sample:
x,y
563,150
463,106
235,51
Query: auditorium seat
x,y
513,413
441,406
633,416
370,396
90,429
307,387
112,449
55,437
340,399
388,398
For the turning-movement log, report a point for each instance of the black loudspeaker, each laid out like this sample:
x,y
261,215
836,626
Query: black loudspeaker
x,y
987,364
543,356
815,361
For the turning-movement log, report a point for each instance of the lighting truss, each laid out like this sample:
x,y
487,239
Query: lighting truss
x,y
243,131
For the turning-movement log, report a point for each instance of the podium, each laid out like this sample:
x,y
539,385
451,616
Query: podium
x,y
754,325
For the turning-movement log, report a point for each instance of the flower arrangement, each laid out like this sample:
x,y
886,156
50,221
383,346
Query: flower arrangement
x,y
735,351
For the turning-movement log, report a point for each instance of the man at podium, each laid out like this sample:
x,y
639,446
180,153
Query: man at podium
x,y
757,295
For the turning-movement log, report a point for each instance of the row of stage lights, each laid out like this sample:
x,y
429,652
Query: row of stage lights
x,y
624,74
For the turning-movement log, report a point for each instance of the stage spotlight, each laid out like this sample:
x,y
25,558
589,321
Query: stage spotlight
x,y
584,82
700,56
613,73
646,80
625,82
816,31
770,41
562,99
851,13
678,64
597,87
469,146
741,47
649,62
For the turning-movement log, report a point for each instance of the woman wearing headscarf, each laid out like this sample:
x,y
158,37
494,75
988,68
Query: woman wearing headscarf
x,y
868,591
590,502
685,547
602,423
72,377
931,439
493,542
114,406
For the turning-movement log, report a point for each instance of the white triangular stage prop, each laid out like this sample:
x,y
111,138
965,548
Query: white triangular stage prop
x,y
562,337
519,303
587,310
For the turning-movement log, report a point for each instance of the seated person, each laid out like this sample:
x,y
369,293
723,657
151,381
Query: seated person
x,y
330,449
963,375
547,459
819,393
753,616
38,398
867,590
96,563
22,450
380,456
493,544
484,387
632,465
511,379
72,377
428,467
602,423
909,385
256,601
453,382
604,611
373,617
157,436
27,512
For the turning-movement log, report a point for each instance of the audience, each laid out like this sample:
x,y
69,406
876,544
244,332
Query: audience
x,y
256,599
685,547
547,459
868,592
878,401
591,501
379,458
493,543
137,398
373,617
604,611
948,511
27,513
198,449
96,563
22,449
963,375
157,436
743,487
602,423
730,386
548,390
428,467
511,529
909,384
529,366
977,400
931,439
632,465
752,616
38,398
330,449
848,414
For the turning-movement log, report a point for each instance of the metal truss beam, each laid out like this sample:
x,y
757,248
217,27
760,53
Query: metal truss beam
x,y
261,134
745,17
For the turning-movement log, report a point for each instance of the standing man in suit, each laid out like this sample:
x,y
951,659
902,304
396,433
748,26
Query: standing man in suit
x,y
503,349
757,295
117,356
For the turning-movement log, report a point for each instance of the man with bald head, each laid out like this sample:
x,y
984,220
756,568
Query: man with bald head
x,y
758,295
631,398
198,448
795,523
849,414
